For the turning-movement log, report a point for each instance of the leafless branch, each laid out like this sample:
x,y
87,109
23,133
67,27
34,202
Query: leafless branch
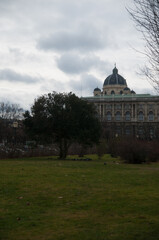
x,y
146,16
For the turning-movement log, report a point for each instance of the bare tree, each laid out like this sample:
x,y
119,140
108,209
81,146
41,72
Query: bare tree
x,y
146,16
11,111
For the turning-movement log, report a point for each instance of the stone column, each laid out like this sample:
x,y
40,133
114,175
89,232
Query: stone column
x,y
122,111
132,114
155,111
145,112
113,111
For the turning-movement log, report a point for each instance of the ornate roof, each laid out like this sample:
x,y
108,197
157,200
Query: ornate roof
x,y
97,89
115,79
126,88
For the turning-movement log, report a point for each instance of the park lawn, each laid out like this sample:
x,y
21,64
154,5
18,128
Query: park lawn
x,y
50,199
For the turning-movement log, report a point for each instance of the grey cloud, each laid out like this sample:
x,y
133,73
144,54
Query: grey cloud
x,y
58,26
12,76
89,82
52,85
80,86
4,5
145,91
82,40
24,98
16,51
85,85
74,63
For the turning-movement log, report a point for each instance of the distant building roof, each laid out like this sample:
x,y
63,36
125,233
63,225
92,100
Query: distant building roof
x,y
115,79
124,97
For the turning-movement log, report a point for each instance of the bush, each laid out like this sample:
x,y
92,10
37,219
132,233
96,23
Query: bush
x,y
133,150
101,148
153,151
113,145
136,151
129,149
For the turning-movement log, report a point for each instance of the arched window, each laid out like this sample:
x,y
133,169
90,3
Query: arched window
x,y
105,92
151,116
121,92
127,116
118,116
140,116
108,116
112,92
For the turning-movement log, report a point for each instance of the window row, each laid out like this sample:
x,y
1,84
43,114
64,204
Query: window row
x,y
128,106
140,131
113,92
128,116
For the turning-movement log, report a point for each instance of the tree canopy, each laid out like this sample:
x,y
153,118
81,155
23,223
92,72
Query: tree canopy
x,y
64,119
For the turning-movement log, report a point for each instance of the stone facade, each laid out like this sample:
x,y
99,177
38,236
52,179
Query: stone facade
x,y
123,112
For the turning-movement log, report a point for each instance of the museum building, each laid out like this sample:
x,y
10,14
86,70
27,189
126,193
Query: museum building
x,y
123,112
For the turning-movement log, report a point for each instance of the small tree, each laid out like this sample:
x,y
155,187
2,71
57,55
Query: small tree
x,y
63,119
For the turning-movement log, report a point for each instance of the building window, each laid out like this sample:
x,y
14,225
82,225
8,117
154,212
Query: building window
x,y
127,106
140,116
101,110
127,131
118,106
151,106
112,92
127,116
121,92
109,106
140,132
140,106
151,116
109,116
118,116
117,131
105,93
151,132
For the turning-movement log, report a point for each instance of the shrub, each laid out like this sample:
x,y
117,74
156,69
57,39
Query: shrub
x,y
101,148
129,149
153,151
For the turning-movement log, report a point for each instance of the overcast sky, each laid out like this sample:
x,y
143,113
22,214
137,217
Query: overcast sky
x,y
66,45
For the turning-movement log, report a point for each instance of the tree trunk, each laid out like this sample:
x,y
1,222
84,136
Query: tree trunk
x,y
63,147
82,151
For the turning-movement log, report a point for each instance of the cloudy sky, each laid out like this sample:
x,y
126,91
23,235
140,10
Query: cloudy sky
x,y
66,45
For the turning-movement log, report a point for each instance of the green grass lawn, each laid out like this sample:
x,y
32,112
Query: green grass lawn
x,y
47,199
